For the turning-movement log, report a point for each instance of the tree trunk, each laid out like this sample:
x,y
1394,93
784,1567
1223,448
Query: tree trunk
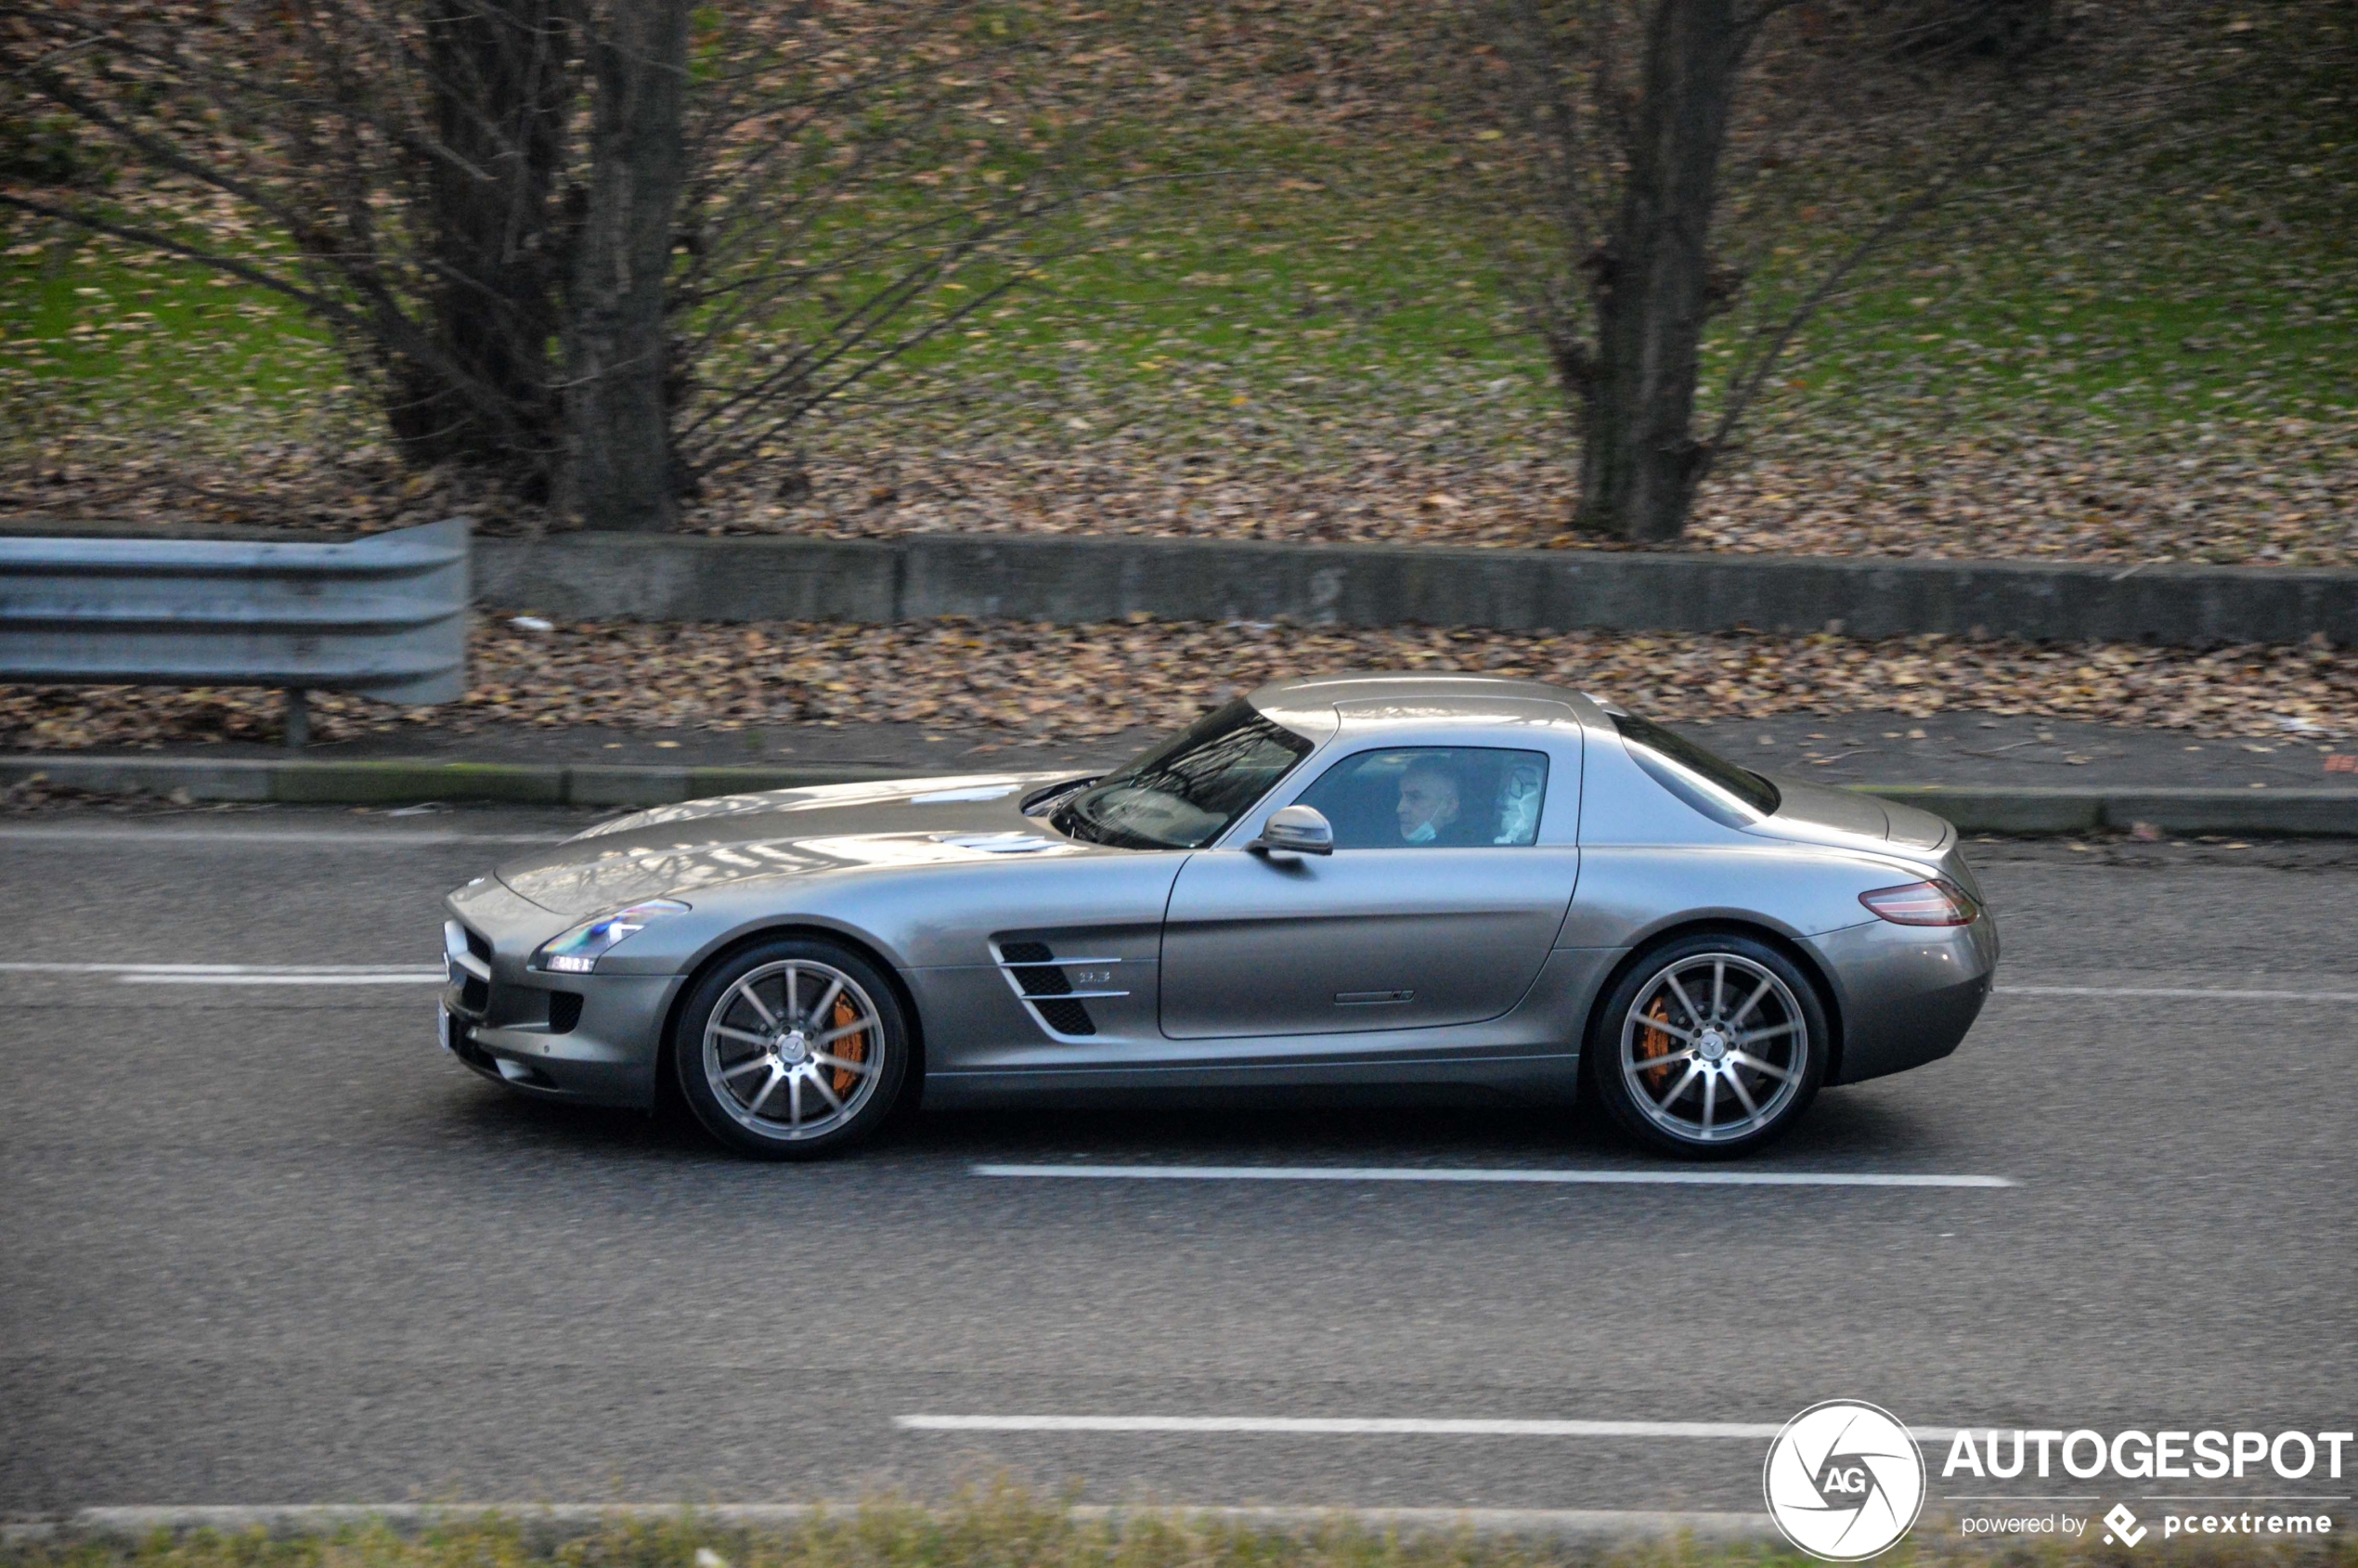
x,y
1652,282
499,90
617,416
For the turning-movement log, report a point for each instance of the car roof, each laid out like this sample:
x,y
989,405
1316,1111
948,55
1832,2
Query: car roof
x,y
1362,700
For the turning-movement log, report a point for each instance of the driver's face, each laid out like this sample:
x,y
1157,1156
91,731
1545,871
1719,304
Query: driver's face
x,y
1427,799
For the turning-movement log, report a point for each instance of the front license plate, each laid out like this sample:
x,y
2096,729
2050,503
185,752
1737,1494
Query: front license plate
x,y
443,1023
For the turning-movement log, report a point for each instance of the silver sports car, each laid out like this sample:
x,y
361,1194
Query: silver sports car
x,y
1426,886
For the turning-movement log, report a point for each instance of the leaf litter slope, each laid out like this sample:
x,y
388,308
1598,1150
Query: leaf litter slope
x,y
1008,682
2133,341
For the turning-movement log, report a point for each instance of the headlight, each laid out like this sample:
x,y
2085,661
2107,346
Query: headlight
x,y
576,953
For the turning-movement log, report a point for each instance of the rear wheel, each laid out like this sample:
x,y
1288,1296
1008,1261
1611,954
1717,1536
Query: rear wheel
x,y
1709,1047
792,1050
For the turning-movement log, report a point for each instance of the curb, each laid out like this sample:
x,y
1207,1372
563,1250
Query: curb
x,y
551,1522
2033,811
302,782
2269,813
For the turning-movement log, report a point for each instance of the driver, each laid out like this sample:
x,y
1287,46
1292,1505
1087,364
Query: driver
x,y
1430,801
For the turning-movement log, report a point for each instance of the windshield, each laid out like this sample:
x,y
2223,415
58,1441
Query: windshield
x,y
1190,790
1652,746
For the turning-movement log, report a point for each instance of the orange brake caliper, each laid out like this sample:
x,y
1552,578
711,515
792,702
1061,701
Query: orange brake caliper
x,y
851,1047
1655,1042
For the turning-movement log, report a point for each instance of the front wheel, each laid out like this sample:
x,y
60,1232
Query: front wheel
x,y
792,1050
1709,1047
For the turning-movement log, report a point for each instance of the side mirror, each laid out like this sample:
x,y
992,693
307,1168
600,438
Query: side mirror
x,y
1295,830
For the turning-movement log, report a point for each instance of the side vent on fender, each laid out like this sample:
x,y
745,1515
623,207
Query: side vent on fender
x,y
1066,1018
1038,977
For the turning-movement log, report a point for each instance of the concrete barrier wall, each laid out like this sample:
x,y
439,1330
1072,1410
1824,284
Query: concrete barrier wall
x,y
1069,581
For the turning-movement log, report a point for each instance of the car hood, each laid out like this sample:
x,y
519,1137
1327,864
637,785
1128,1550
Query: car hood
x,y
1814,813
674,851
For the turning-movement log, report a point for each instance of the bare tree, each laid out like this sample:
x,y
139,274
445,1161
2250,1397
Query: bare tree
x,y
1627,108
397,172
594,248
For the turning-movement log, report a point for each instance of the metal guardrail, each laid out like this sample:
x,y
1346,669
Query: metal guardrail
x,y
383,617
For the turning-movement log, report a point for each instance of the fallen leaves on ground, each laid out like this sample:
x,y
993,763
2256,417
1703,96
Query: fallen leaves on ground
x,y
2258,494
2261,493
1021,681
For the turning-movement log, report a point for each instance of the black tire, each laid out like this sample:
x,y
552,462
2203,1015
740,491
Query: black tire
x,y
1784,1030
828,1102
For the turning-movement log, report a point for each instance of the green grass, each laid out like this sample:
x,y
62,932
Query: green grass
x,y
1265,288
1007,1529
2123,314
98,328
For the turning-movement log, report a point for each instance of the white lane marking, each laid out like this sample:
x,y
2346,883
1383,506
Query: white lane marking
x,y
408,977
242,974
1508,1174
1390,1426
2177,992
322,973
28,967
383,974
367,838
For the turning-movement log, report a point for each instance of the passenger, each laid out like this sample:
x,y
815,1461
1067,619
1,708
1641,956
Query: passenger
x,y
1431,802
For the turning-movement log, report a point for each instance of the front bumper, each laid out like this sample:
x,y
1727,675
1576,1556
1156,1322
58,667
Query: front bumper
x,y
1907,993
590,1038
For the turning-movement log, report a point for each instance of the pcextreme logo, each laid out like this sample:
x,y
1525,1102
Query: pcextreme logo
x,y
1843,1479
2124,1526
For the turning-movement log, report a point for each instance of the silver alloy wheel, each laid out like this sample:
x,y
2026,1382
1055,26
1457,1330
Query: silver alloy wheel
x,y
794,1049
1714,1048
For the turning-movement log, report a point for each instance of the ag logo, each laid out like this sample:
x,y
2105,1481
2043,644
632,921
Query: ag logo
x,y
1844,1481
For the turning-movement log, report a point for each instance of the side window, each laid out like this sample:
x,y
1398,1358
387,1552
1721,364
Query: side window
x,y
1452,796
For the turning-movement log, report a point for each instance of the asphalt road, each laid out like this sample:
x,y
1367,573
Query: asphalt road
x,y
265,1244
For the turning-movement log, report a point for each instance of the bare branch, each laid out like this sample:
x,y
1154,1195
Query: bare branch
x,y
1743,388
334,310
1749,23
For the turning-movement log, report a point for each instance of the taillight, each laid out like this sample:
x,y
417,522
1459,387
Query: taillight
x,y
1937,903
